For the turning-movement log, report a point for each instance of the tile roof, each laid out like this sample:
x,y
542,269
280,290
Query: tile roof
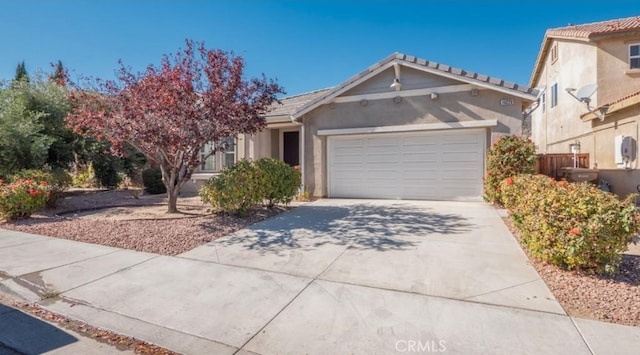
x,y
615,105
623,98
587,32
434,67
289,105
591,30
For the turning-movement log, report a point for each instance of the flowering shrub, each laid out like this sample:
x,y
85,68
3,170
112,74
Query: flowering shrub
x,y
509,156
57,182
21,198
571,225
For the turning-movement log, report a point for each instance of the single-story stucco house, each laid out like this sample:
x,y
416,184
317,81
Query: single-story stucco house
x,y
404,128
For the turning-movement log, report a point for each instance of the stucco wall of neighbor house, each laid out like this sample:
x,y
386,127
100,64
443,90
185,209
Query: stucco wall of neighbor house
x,y
615,79
580,63
448,107
627,123
553,128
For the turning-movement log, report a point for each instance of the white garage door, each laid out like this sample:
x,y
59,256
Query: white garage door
x,y
433,165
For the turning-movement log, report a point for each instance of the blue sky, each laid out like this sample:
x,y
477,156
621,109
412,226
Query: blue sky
x,y
306,45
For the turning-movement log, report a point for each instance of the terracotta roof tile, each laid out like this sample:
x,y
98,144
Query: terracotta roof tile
x,y
614,102
591,30
623,98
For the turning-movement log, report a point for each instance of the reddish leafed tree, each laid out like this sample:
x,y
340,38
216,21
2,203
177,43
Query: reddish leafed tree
x,y
170,111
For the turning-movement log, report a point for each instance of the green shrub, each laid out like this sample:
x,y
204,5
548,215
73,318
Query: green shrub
x,y
509,156
235,190
571,225
106,170
57,182
83,177
279,181
21,198
152,181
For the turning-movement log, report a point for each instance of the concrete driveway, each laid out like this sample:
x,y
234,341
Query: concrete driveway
x,y
333,276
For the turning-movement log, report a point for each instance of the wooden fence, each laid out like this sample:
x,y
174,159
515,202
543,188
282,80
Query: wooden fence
x,y
548,164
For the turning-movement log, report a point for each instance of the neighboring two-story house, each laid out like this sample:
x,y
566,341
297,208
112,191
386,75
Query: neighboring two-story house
x,y
404,128
588,77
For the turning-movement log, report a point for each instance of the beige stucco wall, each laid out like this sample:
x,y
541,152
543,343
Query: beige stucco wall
x,y
449,107
259,145
553,128
615,80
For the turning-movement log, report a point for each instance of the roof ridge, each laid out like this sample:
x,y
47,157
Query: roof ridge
x,y
307,93
593,23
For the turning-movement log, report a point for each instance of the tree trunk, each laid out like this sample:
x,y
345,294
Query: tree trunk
x,y
173,199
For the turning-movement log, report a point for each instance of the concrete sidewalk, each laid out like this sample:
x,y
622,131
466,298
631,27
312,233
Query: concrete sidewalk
x,y
334,276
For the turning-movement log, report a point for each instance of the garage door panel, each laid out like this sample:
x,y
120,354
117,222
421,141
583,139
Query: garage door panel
x,y
381,157
417,175
445,165
456,159
418,160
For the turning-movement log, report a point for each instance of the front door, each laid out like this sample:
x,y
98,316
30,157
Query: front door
x,y
291,148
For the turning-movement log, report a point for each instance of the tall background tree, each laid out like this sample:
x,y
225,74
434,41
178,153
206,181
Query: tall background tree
x,y
21,72
32,127
170,111
60,75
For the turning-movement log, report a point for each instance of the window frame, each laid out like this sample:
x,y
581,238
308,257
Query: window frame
x,y
233,152
554,53
637,56
554,95
220,159
203,161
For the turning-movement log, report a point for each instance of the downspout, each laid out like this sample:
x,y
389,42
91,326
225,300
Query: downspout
x,y
302,154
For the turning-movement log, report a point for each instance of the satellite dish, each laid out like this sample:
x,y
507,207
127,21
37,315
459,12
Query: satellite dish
x,y
585,93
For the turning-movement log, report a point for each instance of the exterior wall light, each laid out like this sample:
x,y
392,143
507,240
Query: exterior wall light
x,y
397,85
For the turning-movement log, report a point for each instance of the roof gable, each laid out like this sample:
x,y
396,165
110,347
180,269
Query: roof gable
x,y
585,32
442,70
411,79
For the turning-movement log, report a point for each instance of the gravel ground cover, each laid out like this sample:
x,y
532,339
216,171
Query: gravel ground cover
x,y
614,299
160,236
72,219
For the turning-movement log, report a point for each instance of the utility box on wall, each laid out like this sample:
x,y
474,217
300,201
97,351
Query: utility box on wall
x,y
624,151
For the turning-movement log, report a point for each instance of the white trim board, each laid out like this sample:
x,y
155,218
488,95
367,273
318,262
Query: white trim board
x,y
406,93
409,128
486,85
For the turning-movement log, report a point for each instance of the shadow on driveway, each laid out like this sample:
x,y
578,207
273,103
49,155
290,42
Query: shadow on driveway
x,y
393,226
21,333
